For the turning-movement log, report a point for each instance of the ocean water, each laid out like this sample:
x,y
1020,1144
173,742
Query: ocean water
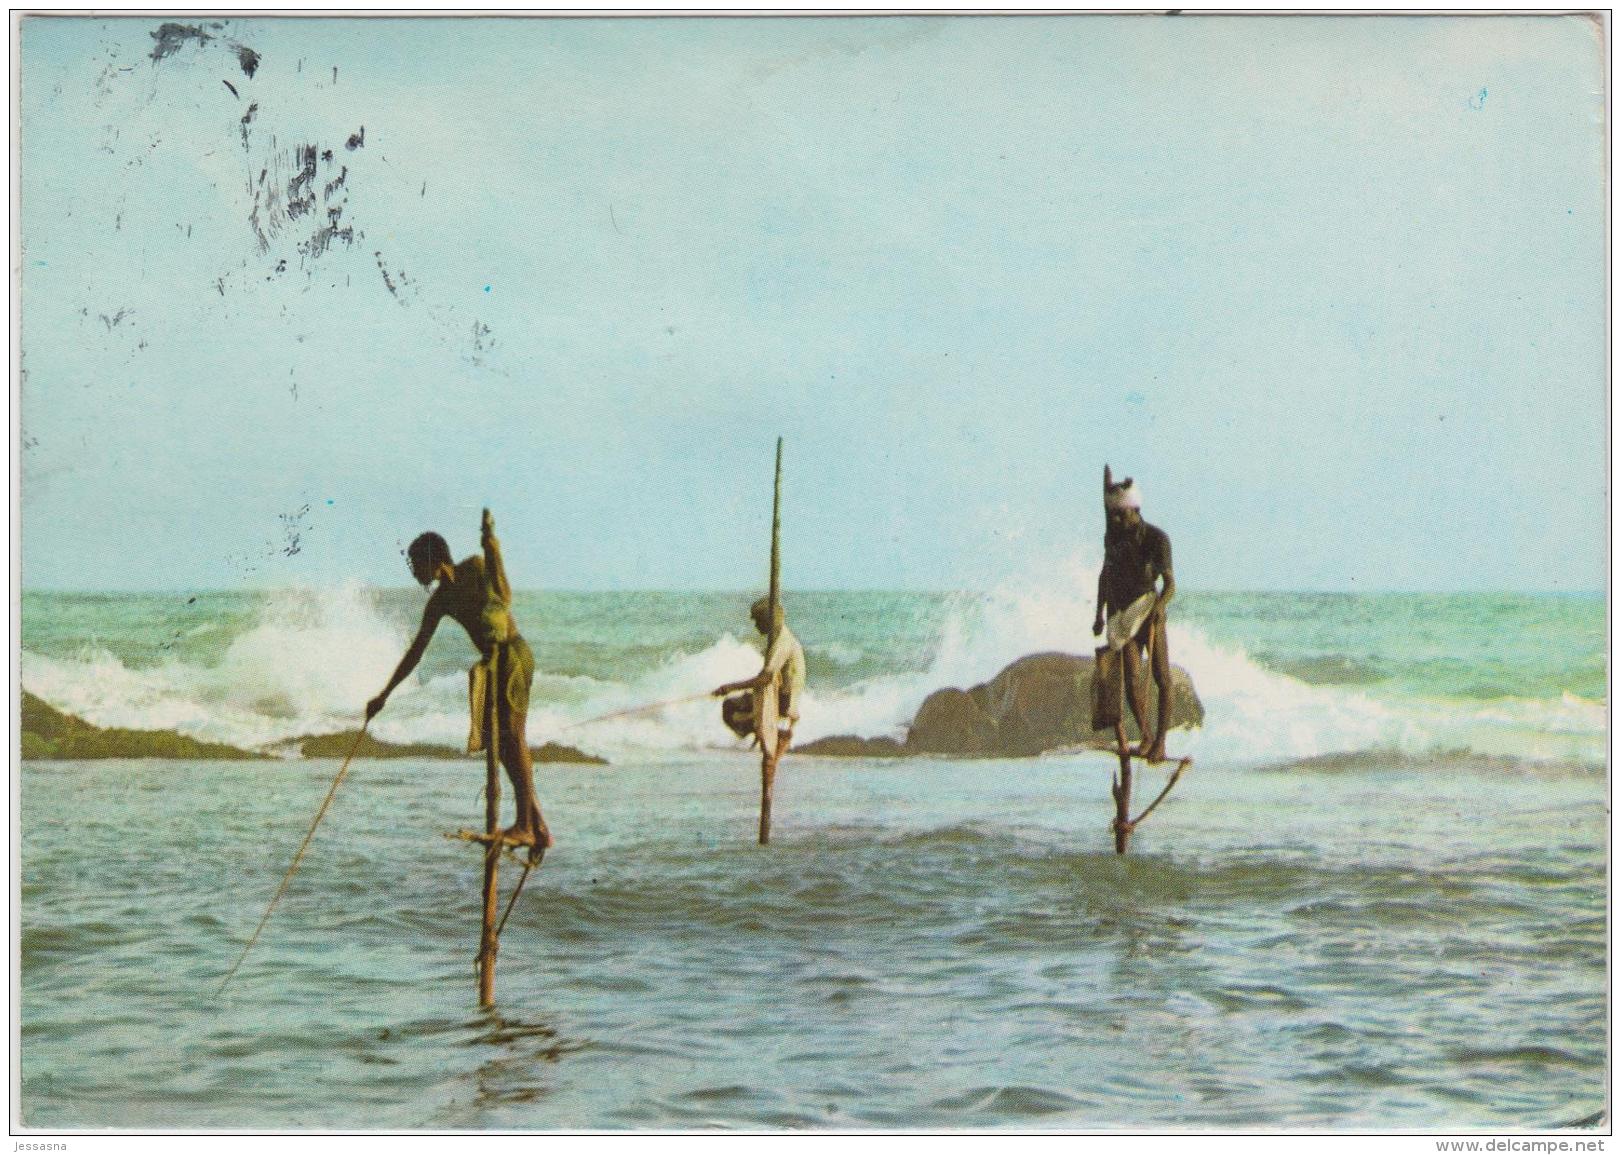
x,y
1378,900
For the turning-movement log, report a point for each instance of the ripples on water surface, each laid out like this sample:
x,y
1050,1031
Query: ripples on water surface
x,y
933,944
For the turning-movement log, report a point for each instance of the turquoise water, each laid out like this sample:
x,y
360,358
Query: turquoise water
x,y
1283,675
1464,645
1378,900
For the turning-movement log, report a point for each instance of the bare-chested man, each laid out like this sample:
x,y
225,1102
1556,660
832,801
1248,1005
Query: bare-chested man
x,y
475,593
1136,555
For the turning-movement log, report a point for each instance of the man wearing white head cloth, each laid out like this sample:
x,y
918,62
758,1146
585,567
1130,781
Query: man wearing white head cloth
x,y
1134,587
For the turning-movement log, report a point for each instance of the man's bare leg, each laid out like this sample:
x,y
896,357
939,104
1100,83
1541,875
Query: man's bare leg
x,y
1134,695
1160,657
530,828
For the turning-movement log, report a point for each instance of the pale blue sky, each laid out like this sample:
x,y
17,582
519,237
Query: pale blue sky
x,y
1333,290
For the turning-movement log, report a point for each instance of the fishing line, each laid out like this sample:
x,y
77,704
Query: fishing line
x,y
299,857
638,710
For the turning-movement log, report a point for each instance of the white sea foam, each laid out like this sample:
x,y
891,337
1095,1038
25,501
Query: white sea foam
x,y
1252,713
311,660
307,665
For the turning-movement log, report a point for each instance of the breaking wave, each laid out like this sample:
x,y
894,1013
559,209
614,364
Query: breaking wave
x,y
305,662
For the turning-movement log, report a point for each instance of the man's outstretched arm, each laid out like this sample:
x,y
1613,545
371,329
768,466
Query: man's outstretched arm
x,y
413,655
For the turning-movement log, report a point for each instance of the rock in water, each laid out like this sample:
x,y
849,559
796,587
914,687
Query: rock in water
x,y
849,746
1041,702
953,721
50,735
338,746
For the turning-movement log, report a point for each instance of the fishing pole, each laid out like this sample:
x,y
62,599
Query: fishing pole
x,y
299,857
638,710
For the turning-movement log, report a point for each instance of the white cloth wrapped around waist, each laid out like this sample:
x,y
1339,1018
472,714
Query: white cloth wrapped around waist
x,y
1123,626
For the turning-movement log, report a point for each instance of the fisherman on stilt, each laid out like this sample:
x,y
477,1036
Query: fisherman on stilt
x,y
770,707
476,594
1136,556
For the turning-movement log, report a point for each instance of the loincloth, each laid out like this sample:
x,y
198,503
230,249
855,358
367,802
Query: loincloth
x,y
515,668
1130,623
1134,625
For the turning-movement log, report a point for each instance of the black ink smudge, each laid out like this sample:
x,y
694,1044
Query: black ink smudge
x,y
171,38
247,119
293,528
232,87
321,240
387,280
356,140
301,189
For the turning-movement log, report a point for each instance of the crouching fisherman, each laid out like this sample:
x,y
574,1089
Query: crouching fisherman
x,y
475,593
770,706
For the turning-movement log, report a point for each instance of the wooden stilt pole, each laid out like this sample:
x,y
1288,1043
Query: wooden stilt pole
x,y
768,776
776,544
488,941
1122,790
768,742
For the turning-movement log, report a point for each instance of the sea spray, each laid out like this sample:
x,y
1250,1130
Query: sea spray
x,y
1254,713
311,656
306,664
255,669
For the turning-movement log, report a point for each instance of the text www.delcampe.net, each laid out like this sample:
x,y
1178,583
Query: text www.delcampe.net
x,y
1521,1146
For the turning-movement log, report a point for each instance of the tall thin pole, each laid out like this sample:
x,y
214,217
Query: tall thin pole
x,y
776,545
1121,788
492,826
768,742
